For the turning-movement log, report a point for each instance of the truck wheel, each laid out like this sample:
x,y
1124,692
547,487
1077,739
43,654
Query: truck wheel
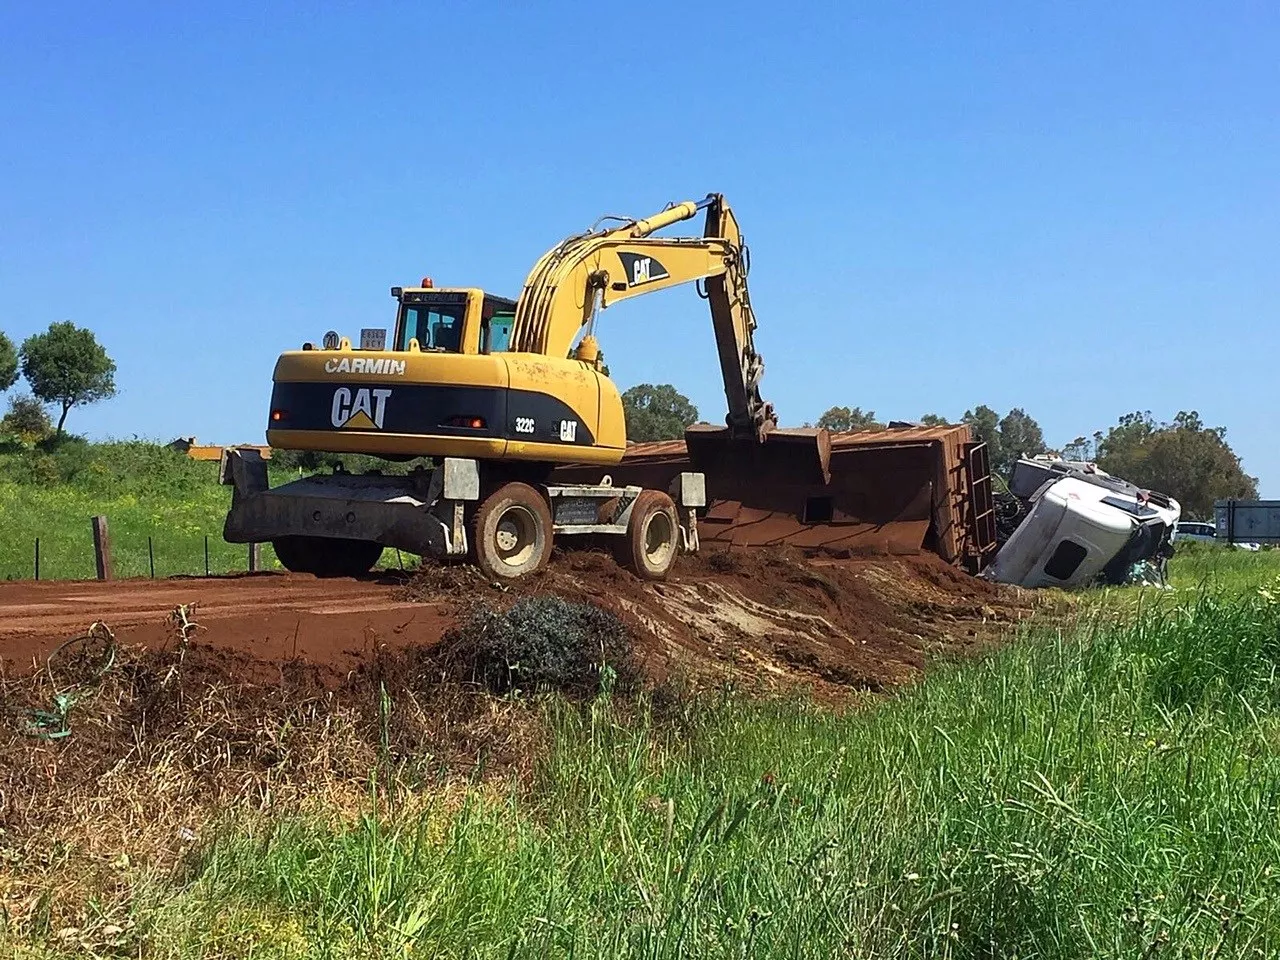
x,y
511,532
326,556
652,539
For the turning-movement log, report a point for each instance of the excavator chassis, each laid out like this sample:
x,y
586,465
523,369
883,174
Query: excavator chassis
x,y
426,512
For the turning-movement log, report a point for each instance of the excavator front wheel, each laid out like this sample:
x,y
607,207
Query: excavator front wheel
x,y
511,532
652,540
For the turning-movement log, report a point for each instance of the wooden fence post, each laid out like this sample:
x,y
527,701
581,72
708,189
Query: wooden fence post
x,y
102,548
254,559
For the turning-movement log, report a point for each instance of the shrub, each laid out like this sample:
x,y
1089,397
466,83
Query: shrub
x,y
541,643
27,420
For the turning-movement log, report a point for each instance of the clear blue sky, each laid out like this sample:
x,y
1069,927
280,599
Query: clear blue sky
x,y
1073,208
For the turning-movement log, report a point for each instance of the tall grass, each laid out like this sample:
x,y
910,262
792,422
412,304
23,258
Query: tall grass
x,y
144,490
1220,567
1112,791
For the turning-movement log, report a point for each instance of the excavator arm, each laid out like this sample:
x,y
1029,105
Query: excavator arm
x,y
597,269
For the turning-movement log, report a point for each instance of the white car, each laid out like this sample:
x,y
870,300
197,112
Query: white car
x,y
1195,530
1204,533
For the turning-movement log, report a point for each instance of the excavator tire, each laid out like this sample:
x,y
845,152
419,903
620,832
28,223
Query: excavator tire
x,y
652,540
511,532
326,556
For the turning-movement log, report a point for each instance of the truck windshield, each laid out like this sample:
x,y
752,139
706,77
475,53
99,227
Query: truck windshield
x,y
436,326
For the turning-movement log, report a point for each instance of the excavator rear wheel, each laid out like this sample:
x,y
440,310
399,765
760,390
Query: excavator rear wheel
x,y
327,556
511,532
652,540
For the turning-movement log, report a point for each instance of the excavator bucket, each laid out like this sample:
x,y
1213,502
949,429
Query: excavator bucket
x,y
786,456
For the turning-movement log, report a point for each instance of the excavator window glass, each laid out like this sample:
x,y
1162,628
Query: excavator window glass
x,y
437,326
495,333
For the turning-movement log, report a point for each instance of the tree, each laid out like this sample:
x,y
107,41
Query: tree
x,y
1020,436
67,366
1185,459
933,420
27,419
8,363
1014,435
844,420
1083,448
657,412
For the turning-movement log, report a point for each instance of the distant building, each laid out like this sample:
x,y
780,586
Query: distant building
x,y
195,451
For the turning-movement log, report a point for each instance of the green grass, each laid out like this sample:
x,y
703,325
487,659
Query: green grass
x,y
1109,792
1207,565
143,489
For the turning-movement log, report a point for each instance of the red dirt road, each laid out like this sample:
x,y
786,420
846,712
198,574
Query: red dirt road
x,y
269,616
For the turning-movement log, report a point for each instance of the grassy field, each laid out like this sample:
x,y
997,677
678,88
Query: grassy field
x,y
143,489
1104,788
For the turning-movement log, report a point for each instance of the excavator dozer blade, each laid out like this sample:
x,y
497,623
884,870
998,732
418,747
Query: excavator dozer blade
x,y
789,457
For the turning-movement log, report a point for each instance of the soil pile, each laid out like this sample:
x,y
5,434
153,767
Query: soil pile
x,y
771,617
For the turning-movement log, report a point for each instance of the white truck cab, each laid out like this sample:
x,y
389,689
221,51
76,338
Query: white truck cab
x,y
1081,526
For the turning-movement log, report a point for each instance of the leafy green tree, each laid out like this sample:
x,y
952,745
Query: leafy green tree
x,y
1083,448
1185,459
844,420
27,419
8,363
1020,436
67,366
1014,435
933,420
657,412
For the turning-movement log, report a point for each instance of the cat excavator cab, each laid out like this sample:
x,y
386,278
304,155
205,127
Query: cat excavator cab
x,y
499,393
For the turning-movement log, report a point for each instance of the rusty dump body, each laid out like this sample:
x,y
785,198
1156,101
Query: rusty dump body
x,y
897,491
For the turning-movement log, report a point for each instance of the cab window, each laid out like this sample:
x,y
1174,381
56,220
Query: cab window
x,y
436,326
495,333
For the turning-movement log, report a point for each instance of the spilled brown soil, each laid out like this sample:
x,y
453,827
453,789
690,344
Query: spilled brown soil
x,y
771,618
267,618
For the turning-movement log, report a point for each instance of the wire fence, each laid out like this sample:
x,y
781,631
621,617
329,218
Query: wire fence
x,y
86,554
154,557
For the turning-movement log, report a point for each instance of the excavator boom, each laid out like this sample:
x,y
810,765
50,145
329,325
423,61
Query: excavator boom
x,y
596,269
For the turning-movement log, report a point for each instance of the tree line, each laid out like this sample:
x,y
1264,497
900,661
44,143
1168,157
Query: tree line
x,y
64,367
1184,458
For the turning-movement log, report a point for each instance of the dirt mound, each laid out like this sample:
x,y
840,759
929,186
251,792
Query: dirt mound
x,y
292,690
323,696
769,617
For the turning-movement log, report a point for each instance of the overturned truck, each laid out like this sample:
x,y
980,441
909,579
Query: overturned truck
x,y
912,489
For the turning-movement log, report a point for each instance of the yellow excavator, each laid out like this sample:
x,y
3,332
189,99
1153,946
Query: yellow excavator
x,y
499,393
